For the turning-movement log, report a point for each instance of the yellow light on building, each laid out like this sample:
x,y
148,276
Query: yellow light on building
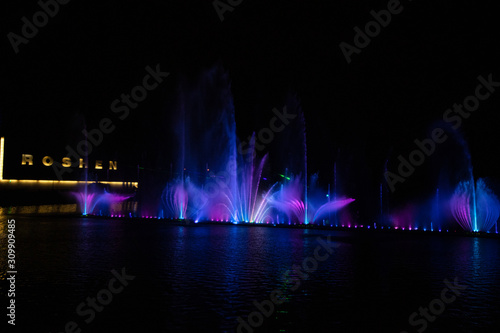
x,y
47,161
1,157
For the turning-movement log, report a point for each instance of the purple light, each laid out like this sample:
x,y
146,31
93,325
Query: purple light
x,y
480,214
90,199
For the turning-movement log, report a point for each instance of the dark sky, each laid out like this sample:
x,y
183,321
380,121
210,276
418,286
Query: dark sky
x,y
393,92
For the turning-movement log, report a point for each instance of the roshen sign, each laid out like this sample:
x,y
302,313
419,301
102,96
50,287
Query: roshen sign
x,y
27,159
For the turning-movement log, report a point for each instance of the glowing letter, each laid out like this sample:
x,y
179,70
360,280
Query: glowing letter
x,y
82,163
66,162
47,160
113,165
27,159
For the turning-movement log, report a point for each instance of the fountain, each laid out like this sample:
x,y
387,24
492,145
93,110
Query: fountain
x,y
474,206
97,201
231,189
288,200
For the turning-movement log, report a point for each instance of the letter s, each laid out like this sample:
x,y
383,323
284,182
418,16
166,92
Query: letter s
x,y
123,109
414,322
81,313
447,118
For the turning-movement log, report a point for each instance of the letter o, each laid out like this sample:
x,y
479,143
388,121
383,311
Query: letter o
x,y
434,302
197,201
414,161
43,16
212,189
370,32
269,134
109,296
307,267
467,104
259,319
139,97
47,161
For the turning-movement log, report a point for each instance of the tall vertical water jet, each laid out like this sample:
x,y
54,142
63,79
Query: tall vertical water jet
x,y
305,180
205,128
183,197
86,173
328,195
474,204
306,219
381,190
435,215
335,190
381,201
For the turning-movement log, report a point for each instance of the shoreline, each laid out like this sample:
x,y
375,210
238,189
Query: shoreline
x,y
191,223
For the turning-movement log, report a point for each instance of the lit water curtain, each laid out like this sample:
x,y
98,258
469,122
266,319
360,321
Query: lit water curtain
x,y
259,212
248,191
486,205
460,205
109,199
89,201
289,199
330,207
175,199
243,202
86,201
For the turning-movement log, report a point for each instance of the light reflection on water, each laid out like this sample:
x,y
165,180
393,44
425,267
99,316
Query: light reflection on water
x,y
202,278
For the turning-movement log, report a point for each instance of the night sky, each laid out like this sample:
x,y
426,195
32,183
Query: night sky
x,y
394,91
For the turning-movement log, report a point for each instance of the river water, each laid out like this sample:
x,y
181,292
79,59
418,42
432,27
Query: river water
x,y
202,278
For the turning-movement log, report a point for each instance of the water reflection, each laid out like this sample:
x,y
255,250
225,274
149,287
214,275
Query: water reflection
x,y
207,276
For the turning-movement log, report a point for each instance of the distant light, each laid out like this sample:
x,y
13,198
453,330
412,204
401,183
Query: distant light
x,y
2,142
264,178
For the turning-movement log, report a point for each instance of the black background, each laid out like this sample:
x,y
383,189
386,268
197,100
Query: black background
x,y
372,109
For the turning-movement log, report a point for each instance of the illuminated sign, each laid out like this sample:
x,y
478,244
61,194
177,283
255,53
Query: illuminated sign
x,y
36,163
27,159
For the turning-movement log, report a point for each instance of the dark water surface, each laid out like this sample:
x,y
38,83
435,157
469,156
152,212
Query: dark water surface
x,y
202,278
